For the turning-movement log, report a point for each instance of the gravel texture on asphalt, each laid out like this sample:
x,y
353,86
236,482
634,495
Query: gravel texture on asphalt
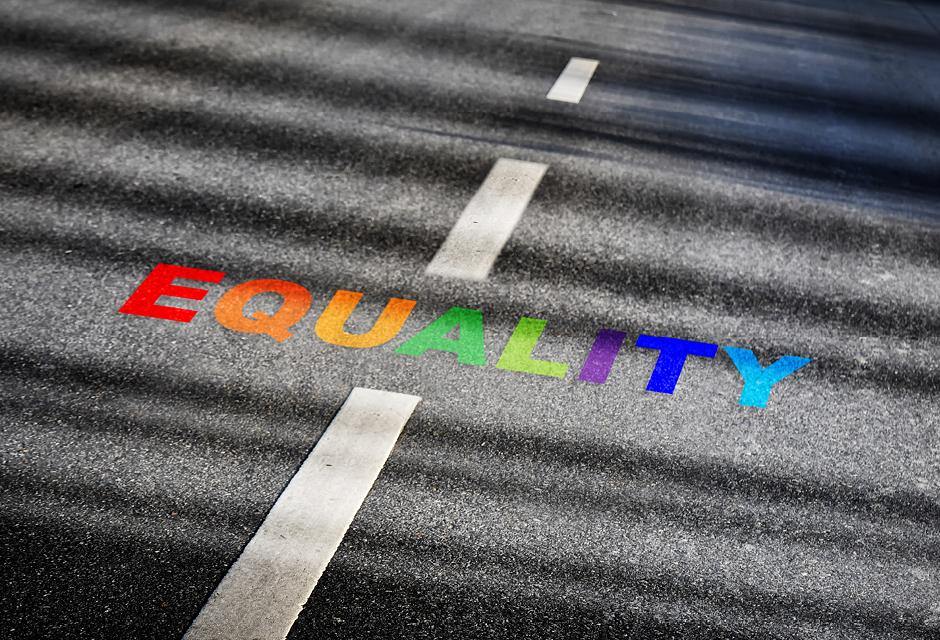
x,y
748,173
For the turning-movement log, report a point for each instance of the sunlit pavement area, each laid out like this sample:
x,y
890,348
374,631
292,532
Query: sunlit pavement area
x,y
750,173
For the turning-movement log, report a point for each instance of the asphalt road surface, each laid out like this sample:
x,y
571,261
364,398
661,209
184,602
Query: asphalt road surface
x,y
755,173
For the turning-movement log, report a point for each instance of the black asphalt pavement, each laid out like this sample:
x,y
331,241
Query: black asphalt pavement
x,y
752,173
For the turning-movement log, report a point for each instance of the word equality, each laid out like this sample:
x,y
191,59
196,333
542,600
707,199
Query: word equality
x,y
465,324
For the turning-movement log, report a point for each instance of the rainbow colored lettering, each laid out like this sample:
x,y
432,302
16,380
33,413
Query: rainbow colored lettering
x,y
465,324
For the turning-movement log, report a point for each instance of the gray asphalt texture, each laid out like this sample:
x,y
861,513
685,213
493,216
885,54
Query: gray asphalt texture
x,y
750,173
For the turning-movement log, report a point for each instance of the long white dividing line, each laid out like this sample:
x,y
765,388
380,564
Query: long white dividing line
x,y
263,592
486,223
573,81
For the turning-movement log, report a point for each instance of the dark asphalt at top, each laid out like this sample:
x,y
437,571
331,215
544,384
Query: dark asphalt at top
x,y
750,173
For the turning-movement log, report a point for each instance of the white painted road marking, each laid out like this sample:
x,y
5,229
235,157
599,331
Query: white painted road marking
x,y
486,223
573,81
263,592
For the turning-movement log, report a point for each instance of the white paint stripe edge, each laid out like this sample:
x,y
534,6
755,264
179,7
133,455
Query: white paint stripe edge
x,y
264,591
488,220
573,81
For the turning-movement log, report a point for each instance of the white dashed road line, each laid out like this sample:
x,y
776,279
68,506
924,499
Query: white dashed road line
x,y
573,81
486,223
263,592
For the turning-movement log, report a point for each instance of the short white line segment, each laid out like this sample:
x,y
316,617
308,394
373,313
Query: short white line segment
x,y
573,81
486,223
264,591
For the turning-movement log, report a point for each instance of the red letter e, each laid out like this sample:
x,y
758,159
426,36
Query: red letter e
x,y
143,302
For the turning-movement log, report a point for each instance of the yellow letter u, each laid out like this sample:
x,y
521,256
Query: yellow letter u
x,y
330,325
